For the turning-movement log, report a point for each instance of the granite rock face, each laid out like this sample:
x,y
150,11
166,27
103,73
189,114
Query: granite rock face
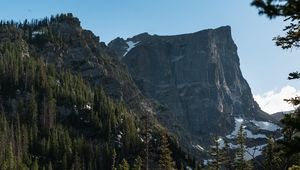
x,y
195,76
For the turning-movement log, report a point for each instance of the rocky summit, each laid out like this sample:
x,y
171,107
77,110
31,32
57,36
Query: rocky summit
x,y
197,79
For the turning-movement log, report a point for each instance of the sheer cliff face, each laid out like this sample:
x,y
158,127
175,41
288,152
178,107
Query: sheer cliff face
x,y
197,76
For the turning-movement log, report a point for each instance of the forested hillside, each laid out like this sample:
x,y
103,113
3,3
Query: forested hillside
x,y
68,102
51,118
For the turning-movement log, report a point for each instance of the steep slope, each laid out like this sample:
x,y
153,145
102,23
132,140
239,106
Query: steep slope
x,y
64,43
196,76
65,102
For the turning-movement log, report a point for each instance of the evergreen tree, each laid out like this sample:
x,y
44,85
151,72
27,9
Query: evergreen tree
x,y
226,156
165,161
289,146
35,165
50,166
294,167
289,10
215,153
130,139
124,165
65,162
113,157
240,162
137,164
32,110
181,166
9,163
272,160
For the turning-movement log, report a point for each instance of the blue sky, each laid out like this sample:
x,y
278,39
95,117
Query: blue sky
x,y
264,65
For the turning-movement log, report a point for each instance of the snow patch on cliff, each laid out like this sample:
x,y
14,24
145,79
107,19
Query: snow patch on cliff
x,y
254,151
265,125
249,134
131,45
238,123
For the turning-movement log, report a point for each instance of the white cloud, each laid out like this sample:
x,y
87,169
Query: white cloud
x,y
272,101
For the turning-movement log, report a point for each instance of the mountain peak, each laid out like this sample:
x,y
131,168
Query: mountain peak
x,y
121,46
140,36
197,77
225,28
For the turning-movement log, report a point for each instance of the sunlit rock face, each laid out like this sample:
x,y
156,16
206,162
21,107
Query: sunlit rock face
x,y
195,76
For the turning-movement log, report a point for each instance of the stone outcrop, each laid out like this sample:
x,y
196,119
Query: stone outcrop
x,y
196,76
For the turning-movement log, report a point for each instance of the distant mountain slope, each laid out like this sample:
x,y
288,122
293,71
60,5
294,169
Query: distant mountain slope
x,y
279,115
196,76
